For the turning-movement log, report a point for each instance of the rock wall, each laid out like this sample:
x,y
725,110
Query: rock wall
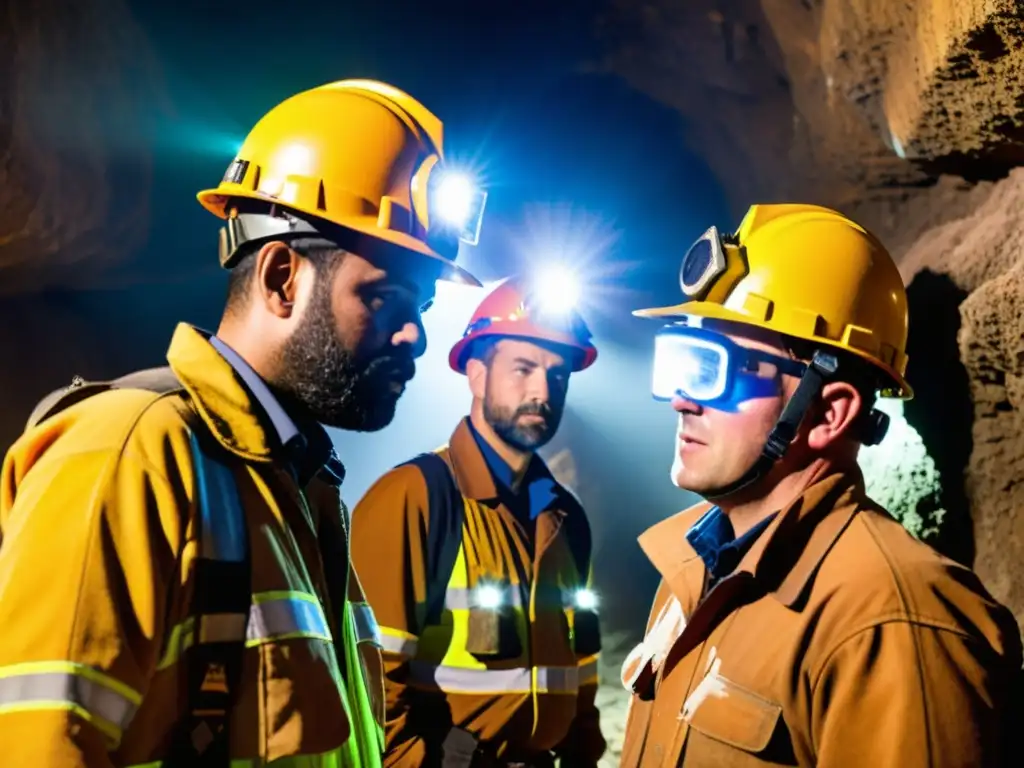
x,y
909,117
74,171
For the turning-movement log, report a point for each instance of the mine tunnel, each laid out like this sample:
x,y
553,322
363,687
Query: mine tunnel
x,y
610,135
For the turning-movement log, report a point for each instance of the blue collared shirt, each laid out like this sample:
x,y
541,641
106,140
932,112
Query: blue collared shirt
x,y
308,451
713,538
540,487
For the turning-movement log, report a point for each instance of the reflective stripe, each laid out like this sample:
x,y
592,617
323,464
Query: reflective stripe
x,y
461,598
367,630
335,758
97,698
222,536
272,616
398,642
495,681
588,670
285,615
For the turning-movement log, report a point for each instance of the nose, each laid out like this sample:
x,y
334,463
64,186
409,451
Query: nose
x,y
681,405
539,390
413,334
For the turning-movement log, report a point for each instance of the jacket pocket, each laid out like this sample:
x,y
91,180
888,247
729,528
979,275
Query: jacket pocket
x,y
727,712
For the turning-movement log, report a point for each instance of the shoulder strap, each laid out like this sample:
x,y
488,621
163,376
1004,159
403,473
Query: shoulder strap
x,y
221,599
444,530
158,380
578,534
222,591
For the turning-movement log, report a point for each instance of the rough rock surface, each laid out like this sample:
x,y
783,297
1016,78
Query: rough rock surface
x,y
832,99
74,179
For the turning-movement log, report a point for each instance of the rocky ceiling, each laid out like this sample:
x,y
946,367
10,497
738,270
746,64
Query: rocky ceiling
x,y
909,116
68,194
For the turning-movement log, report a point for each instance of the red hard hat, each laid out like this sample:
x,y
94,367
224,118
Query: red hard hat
x,y
508,312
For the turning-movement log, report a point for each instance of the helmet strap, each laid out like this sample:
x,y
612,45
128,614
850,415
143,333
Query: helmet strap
x,y
823,366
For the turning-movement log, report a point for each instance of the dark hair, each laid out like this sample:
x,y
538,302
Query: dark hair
x,y
324,256
483,349
854,370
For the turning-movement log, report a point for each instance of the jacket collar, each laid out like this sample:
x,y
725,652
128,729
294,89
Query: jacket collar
x,y
786,555
234,413
470,467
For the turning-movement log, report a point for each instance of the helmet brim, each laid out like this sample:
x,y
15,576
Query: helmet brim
x,y
586,354
216,202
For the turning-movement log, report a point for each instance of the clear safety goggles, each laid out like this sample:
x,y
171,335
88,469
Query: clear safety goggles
x,y
708,259
711,370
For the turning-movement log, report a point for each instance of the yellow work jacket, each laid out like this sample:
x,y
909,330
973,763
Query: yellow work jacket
x,y
514,676
98,543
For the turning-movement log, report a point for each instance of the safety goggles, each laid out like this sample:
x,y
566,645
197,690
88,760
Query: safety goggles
x,y
567,321
710,258
711,370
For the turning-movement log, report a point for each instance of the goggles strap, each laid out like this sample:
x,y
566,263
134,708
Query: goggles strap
x,y
823,366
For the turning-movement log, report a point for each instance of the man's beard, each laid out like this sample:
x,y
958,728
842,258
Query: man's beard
x,y
528,437
331,384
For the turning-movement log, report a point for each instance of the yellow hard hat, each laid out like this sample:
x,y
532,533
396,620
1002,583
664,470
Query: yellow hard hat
x,y
358,155
807,272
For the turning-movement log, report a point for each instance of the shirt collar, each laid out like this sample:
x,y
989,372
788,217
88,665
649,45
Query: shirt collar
x,y
310,450
539,486
714,539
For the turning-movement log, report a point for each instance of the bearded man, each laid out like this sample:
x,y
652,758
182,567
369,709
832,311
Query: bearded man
x,y
175,586
476,562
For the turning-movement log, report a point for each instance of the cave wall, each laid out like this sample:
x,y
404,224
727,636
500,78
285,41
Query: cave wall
x,y
910,118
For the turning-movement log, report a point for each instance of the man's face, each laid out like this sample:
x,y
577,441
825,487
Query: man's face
x,y
352,354
715,448
524,393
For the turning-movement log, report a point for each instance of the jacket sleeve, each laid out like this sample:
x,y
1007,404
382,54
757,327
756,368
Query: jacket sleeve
x,y
388,545
90,542
907,694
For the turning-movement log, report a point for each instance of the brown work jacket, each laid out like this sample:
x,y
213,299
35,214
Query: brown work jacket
x,y
839,640
389,550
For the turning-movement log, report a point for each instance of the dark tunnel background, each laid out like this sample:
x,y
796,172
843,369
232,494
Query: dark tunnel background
x,y
568,152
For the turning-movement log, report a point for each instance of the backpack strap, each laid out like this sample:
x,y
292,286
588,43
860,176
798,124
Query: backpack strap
x,y
446,513
221,600
222,592
159,380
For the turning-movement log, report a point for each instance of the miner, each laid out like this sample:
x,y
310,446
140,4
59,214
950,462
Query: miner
x,y
477,562
798,623
175,587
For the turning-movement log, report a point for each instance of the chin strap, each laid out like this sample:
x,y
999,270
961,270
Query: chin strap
x,y
823,366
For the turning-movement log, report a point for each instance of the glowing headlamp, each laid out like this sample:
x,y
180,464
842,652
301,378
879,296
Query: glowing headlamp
x,y
456,203
555,291
585,600
711,369
488,596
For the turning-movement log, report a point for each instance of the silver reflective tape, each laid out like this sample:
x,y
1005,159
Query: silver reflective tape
x,y
65,688
588,672
558,679
367,630
464,598
499,681
403,646
286,616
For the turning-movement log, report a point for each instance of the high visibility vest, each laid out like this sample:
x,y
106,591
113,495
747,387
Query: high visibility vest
x,y
528,623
